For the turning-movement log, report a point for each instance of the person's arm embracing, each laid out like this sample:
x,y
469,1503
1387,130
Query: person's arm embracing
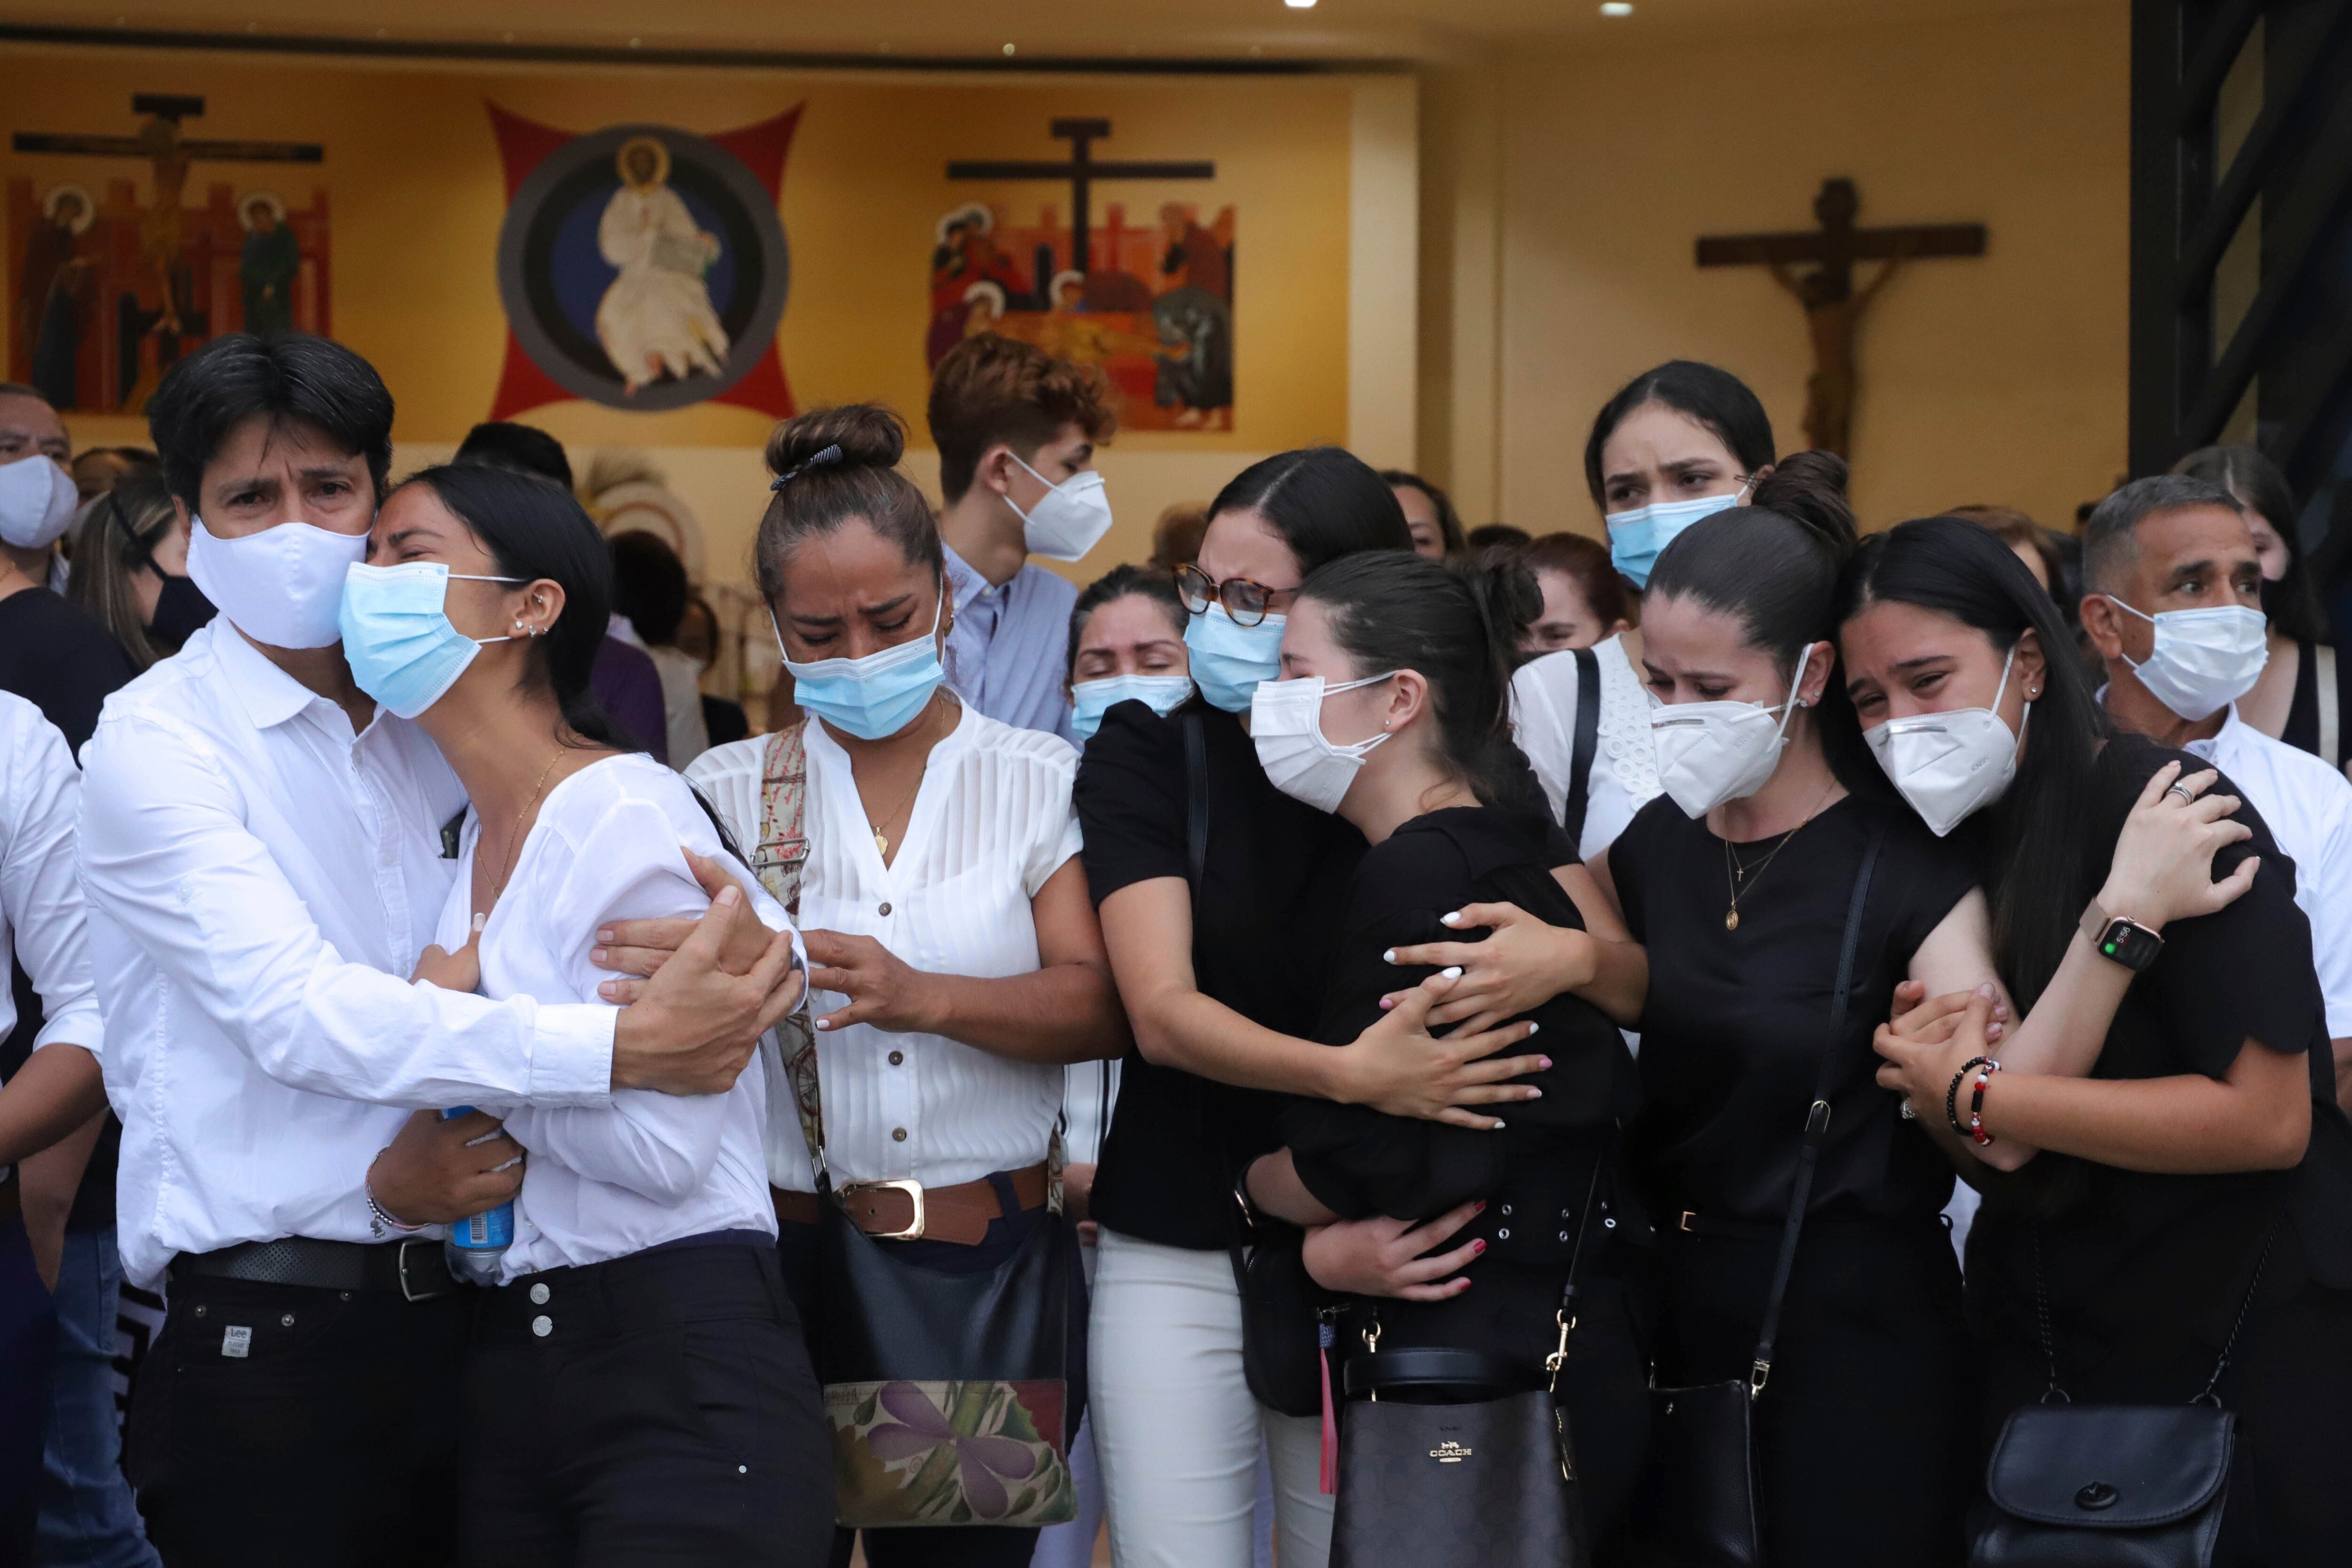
x,y
59,1088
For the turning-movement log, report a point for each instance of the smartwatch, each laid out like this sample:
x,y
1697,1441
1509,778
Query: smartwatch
x,y
2122,939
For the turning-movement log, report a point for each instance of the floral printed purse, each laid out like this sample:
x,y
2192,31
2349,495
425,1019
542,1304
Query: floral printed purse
x,y
951,1396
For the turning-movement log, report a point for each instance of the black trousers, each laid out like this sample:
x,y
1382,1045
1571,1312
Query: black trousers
x,y
1864,1448
658,1409
283,1425
28,1336
942,1546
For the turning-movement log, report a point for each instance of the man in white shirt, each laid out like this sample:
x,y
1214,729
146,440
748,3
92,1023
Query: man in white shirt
x,y
55,1092
2185,547
263,855
1016,430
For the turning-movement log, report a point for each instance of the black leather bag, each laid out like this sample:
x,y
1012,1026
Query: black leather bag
x,y
1459,1459
2134,1486
1702,1485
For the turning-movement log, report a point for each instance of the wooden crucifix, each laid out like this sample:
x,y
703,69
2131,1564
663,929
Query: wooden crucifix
x,y
1081,169
159,142
1833,307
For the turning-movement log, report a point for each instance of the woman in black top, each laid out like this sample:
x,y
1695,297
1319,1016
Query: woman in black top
x,y
1223,984
2185,1124
1739,882
1455,822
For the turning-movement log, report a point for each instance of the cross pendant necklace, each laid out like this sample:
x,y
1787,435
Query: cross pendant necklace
x,y
1737,875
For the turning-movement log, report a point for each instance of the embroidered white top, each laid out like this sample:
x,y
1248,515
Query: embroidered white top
x,y
1624,776
992,821
604,1181
260,881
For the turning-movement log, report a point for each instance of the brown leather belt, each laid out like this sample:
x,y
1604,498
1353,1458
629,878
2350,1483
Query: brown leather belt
x,y
909,1211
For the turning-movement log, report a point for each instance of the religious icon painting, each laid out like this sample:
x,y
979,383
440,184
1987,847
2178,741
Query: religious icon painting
x,y
1150,304
643,266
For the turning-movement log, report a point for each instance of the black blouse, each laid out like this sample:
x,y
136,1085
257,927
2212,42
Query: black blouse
x,y
1736,1022
1537,1172
1275,878
2302,731
2134,1261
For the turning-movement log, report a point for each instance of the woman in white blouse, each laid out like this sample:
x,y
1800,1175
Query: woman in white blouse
x,y
636,1386
958,966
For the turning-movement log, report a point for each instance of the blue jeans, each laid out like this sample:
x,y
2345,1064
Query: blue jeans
x,y
87,1513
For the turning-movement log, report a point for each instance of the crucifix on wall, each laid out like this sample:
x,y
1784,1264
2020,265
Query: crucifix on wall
x,y
1081,168
1832,306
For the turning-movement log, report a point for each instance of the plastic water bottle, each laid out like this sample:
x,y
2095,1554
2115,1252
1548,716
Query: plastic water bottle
x,y
475,1245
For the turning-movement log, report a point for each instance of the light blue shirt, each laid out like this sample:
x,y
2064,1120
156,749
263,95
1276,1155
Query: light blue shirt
x,y
1009,654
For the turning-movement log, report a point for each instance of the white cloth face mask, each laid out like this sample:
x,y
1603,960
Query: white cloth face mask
x,y
1299,760
38,499
1949,765
2203,660
282,587
1709,752
1070,521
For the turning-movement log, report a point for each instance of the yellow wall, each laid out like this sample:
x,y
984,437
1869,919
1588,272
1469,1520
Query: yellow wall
x,y
1575,182
414,176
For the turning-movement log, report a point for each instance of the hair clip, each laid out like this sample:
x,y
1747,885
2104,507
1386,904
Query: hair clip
x,y
829,456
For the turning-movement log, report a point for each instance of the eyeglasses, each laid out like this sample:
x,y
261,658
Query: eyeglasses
x,y
1246,602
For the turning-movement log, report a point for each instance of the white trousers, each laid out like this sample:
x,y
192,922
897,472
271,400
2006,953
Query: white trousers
x,y
1176,1431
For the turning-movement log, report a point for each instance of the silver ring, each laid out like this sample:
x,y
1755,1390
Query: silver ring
x,y
2182,791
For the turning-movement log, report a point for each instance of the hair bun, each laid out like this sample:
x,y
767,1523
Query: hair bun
x,y
1808,488
863,434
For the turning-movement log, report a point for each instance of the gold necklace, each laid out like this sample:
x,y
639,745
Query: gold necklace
x,y
1736,875
882,839
514,834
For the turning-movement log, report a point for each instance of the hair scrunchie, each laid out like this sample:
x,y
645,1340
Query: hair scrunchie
x,y
825,458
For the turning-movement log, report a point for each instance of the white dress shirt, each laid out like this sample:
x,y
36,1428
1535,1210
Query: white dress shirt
x,y
260,881
1624,776
604,1181
992,822
41,901
2308,805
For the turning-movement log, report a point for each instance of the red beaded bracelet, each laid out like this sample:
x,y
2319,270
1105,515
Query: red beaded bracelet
x,y
1976,1103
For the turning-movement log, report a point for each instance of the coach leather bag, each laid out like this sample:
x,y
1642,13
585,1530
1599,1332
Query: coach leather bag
x,y
2135,1486
951,1398
1702,1439
1461,1458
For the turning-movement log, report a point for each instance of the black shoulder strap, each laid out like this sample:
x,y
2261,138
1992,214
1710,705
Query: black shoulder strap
x,y
1817,1118
1196,795
1588,741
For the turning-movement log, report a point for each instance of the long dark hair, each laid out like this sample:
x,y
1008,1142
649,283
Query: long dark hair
x,y
2255,483
114,542
1325,502
1458,625
2028,845
1713,397
1775,569
533,528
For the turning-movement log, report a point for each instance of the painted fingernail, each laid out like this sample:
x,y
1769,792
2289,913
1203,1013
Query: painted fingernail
x,y
825,1023
1533,1027
1453,973
481,919
1388,957
1386,1004
1542,1063
1479,1207
1478,1246
1533,1093
1497,1127
1453,920
606,934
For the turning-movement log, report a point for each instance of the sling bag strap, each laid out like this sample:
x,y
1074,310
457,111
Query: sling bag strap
x,y
2331,731
1586,744
1817,1118
1196,806
779,858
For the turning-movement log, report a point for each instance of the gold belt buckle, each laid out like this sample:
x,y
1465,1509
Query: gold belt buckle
x,y
914,1191
1688,1216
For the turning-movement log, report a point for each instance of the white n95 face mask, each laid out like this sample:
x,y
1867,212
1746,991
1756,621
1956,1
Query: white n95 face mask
x,y
1286,728
1070,521
37,501
1709,752
283,586
1948,765
2203,660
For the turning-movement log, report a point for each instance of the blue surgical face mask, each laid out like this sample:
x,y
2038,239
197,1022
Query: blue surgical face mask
x,y
1637,537
876,696
396,632
1228,661
1090,699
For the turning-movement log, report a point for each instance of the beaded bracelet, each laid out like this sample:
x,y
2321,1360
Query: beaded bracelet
x,y
1976,1104
1952,1095
380,1220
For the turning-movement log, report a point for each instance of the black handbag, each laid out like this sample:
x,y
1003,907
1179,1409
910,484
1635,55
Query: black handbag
x,y
1702,1439
1281,1358
2138,1486
1468,1461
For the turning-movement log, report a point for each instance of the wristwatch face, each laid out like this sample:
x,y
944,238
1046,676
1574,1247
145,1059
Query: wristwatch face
x,y
2133,946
